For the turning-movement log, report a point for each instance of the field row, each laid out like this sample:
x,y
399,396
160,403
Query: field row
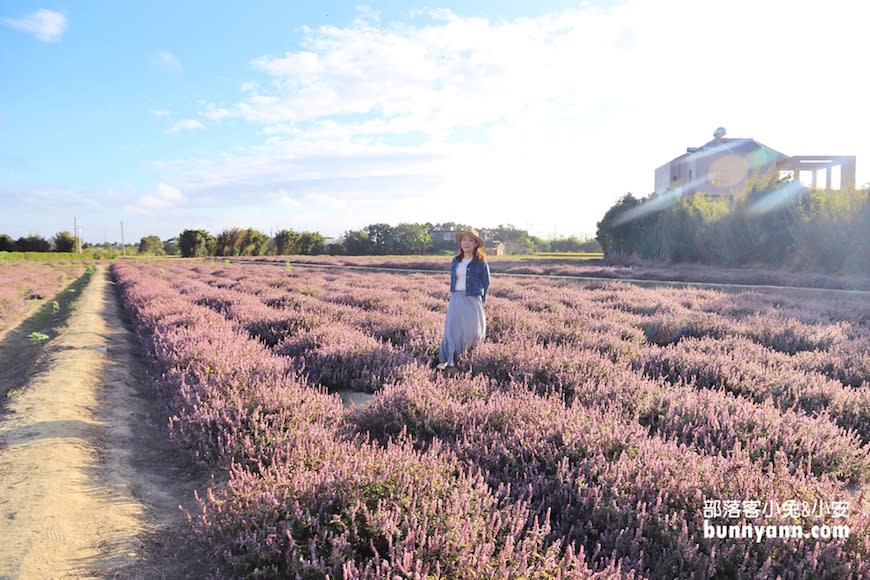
x,y
811,355
305,495
350,336
23,284
634,270
560,414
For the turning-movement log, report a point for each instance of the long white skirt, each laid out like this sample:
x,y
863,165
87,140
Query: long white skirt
x,y
464,326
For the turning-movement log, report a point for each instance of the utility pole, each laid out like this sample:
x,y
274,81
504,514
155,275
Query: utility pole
x,y
123,245
78,242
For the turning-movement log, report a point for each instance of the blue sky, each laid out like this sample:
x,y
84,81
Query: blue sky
x,y
334,115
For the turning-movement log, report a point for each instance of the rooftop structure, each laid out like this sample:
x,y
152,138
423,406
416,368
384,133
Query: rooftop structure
x,y
723,166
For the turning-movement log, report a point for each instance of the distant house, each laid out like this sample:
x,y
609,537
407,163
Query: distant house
x,y
446,239
724,165
440,236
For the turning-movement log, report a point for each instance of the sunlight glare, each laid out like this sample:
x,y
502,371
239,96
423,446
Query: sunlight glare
x,y
777,198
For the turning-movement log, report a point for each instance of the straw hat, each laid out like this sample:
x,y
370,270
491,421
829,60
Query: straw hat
x,y
473,234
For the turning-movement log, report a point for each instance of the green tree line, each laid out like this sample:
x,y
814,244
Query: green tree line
x,y
772,222
378,239
63,242
428,238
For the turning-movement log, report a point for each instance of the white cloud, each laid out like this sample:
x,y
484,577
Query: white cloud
x,y
164,197
168,61
284,198
545,120
186,125
168,192
161,112
324,201
216,113
46,25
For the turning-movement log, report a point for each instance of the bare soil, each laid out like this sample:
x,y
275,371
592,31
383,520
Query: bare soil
x,y
90,485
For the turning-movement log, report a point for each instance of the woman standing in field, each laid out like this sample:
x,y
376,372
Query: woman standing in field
x,y
465,325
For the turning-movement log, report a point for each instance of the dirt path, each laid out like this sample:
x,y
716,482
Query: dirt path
x,y
89,483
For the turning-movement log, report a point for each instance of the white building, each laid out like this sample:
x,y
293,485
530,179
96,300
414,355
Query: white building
x,y
723,166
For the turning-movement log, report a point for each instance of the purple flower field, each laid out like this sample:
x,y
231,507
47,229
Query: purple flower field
x,y
596,268
595,434
23,283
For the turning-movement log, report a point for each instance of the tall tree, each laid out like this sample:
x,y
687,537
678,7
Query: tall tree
x,y
382,237
357,243
32,243
311,243
515,240
170,246
771,222
626,230
254,243
195,243
569,244
7,244
151,245
64,242
229,242
411,239
286,243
